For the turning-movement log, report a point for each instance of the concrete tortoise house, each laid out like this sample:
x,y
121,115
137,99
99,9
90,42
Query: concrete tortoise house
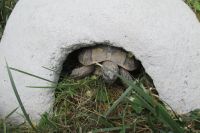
x,y
163,35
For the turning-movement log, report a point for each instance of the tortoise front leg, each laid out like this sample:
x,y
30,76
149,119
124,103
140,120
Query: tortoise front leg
x,y
124,73
82,72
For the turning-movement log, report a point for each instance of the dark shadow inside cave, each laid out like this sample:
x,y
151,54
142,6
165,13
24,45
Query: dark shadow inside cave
x,y
139,74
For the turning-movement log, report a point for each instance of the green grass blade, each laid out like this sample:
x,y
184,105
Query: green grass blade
x,y
139,90
19,125
123,130
151,104
32,75
103,130
48,87
166,118
18,98
2,5
4,127
44,121
121,98
145,104
11,113
50,69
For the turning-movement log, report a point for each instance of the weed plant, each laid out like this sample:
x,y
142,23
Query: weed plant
x,y
89,105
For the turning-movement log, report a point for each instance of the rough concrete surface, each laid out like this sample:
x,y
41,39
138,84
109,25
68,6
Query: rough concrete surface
x,y
163,34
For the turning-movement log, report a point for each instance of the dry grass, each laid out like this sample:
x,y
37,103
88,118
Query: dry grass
x,y
81,105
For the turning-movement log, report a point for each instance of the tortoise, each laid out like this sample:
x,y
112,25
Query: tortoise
x,y
113,60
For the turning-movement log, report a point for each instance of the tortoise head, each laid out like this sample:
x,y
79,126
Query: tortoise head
x,y
109,70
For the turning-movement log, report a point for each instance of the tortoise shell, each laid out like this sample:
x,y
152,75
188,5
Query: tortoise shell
x,y
92,55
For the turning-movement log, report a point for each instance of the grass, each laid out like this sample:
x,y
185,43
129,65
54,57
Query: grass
x,y
6,7
89,105
195,5
19,99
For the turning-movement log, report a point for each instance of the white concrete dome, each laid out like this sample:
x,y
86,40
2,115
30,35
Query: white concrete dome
x,y
164,35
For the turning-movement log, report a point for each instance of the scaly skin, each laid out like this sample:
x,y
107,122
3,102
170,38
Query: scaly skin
x,y
109,71
82,72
